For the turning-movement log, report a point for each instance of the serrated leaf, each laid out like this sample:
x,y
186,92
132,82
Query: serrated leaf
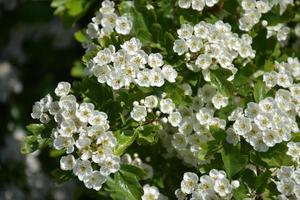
x,y
233,161
125,139
125,186
259,91
36,129
148,135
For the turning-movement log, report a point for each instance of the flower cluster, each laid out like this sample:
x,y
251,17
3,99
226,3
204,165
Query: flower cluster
x,y
188,127
208,46
288,183
163,106
109,21
294,151
212,186
284,75
129,65
280,31
152,193
266,123
254,9
197,4
83,132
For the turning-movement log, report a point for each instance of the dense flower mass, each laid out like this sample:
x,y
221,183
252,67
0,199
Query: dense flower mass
x,y
212,186
288,183
253,11
83,133
131,64
197,4
109,21
210,46
206,97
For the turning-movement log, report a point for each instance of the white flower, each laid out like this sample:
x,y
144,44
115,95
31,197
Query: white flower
x,y
232,137
84,111
205,116
194,43
150,193
198,4
93,30
94,180
167,106
267,105
219,101
143,78
242,126
169,73
110,164
67,162
286,186
271,138
98,118
217,174
62,89
82,168
180,47
211,3
132,46
263,121
270,79
175,118
64,143
235,114
203,61
156,78
284,80
123,25
151,101
185,31
223,187
248,4
184,3
155,60
107,7
189,182
103,57
139,113
37,110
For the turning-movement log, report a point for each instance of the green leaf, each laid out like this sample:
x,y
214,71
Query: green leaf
x,y
240,193
262,181
139,172
77,70
259,91
219,79
61,176
234,162
29,144
36,129
125,185
125,139
80,36
148,134
276,156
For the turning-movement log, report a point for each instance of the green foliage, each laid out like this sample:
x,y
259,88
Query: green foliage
x,y
259,91
125,184
37,140
233,160
156,28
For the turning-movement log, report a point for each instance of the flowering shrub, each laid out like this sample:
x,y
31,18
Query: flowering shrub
x,y
200,95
